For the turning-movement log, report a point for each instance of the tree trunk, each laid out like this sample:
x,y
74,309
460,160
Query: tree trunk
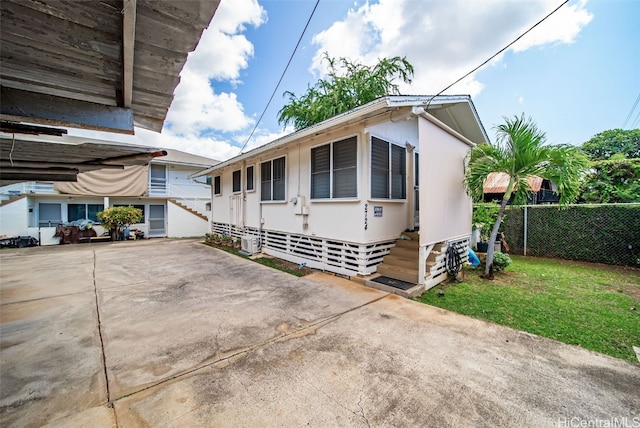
x,y
488,268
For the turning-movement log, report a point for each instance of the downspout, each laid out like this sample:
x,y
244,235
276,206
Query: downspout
x,y
243,186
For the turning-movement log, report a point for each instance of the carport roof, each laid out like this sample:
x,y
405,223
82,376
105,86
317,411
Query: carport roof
x,y
51,158
105,65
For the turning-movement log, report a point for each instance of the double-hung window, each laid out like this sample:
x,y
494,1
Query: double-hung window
x,y
388,170
272,180
334,170
249,186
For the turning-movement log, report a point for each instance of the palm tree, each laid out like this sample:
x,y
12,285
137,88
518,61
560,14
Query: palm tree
x,y
520,152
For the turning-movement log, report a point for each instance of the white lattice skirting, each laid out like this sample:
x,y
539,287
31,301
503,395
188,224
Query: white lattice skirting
x,y
346,258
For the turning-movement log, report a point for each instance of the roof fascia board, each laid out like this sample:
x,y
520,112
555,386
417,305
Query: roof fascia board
x,y
24,106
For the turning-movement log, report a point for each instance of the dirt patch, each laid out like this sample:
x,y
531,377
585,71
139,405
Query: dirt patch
x,y
272,262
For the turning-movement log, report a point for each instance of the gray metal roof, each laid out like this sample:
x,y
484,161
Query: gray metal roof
x,y
455,111
103,65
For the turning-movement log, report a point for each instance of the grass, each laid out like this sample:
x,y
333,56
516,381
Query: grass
x,y
593,306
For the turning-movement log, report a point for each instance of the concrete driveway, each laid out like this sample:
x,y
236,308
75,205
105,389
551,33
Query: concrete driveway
x,y
168,333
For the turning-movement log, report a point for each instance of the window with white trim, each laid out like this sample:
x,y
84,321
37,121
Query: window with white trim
x,y
388,170
334,170
272,180
237,181
217,185
250,186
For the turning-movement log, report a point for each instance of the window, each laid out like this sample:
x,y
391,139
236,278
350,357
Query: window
x,y
140,207
84,212
334,171
388,170
208,180
49,215
272,180
237,185
217,187
249,179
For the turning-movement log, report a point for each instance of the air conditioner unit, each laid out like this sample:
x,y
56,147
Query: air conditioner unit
x,y
249,245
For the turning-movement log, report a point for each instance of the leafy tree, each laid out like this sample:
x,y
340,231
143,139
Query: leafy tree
x,y
615,169
608,143
615,180
520,152
349,85
116,219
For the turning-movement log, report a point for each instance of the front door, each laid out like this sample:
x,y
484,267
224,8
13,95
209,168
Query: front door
x,y
157,220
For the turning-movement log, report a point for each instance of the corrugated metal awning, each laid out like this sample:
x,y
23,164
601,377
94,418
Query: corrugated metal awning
x,y
497,182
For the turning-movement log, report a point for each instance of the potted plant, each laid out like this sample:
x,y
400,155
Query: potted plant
x,y
483,219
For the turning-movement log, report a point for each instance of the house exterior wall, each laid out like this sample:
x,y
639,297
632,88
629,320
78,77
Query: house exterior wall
x,y
21,217
351,220
183,224
13,221
445,207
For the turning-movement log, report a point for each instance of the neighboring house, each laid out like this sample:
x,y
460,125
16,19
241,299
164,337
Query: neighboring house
x,y
543,191
173,204
338,195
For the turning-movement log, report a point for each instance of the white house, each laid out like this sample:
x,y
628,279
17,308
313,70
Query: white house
x,y
339,194
173,204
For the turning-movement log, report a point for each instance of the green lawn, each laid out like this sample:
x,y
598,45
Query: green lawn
x,y
591,305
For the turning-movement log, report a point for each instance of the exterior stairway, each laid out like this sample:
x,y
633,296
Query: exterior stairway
x,y
402,264
12,198
191,210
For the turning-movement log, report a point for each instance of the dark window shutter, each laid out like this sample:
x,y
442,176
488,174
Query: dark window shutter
x,y
345,174
237,185
398,172
379,168
320,170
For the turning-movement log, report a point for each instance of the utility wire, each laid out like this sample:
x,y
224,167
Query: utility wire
x,y
281,77
624,125
498,53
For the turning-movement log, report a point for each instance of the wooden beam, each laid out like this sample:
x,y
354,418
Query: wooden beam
x,y
24,106
128,49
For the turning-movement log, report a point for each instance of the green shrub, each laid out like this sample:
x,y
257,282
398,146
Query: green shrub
x,y
116,219
501,261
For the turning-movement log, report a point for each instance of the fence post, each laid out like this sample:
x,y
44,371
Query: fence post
x,y
525,231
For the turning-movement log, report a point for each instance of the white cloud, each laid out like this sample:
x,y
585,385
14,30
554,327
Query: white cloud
x,y
445,39
197,110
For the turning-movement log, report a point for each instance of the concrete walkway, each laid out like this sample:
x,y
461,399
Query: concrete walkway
x,y
167,333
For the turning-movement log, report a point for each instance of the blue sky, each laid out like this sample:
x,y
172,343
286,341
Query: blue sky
x,y
576,74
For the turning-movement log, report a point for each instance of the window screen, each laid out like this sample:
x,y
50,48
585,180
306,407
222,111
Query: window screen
x,y
249,178
334,171
237,185
217,187
388,170
379,168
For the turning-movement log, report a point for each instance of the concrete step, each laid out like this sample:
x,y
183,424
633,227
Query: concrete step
x,y
398,272
412,292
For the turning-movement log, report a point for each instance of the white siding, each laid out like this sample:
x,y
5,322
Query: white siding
x,y
14,219
445,208
183,224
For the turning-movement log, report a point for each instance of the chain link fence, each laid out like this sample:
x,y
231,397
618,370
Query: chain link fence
x,y
606,233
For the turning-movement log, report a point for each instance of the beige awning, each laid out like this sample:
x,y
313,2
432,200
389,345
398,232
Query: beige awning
x,y
130,181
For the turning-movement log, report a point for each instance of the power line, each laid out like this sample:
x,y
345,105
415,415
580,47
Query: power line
x,y
499,52
624,125
281,77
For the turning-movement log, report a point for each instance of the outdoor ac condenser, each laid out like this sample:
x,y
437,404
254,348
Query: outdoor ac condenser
x,y
249,244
